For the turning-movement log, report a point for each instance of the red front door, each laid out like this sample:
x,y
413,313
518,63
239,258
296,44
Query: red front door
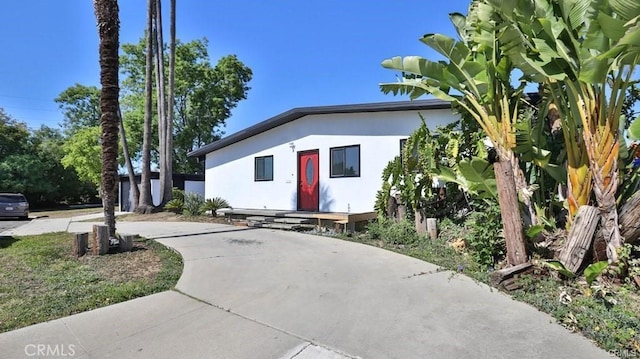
x,y
308,181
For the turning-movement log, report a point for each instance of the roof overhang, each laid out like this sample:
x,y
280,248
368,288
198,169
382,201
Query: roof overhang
x,y
296,113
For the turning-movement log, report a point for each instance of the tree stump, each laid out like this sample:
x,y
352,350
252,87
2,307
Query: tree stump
x,y
402,212
125,243
432,228
100,239
421,222
580,238
80,244
630,219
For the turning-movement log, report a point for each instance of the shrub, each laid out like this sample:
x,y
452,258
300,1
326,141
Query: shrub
x,y
175,205
177,193
402,232
485,238
214,204
193,204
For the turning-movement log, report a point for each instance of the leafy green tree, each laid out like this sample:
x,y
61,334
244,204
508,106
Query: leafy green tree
x,y
32,165
204,95
82,153
80,106
14,135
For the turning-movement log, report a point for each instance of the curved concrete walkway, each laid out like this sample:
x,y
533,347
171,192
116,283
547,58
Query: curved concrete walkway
x,y
258,293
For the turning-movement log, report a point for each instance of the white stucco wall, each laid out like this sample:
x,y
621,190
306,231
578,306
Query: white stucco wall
x,y
229,172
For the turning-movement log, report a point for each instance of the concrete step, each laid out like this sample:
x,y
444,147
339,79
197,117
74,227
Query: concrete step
x,y
259,219
289,220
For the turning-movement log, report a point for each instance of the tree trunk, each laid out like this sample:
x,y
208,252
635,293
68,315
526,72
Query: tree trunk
x,y
146,202
108,29
630,219
605,187
161,104
580,238
133,188
528,212
510,211
168,194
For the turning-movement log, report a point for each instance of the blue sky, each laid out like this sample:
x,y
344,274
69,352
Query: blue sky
x,y
302,53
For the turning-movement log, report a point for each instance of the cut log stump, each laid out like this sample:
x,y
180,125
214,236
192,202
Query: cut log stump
x,y
125,243
507,278
421,223
80,244
630,219
580,238
100,239
432,228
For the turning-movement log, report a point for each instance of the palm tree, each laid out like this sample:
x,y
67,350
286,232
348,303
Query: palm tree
x,y
171,100
108,22
585,52
165,178
476,76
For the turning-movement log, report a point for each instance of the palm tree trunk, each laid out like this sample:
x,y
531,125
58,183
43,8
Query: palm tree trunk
x,y
168,194
165,178
146,202
106,12
133,188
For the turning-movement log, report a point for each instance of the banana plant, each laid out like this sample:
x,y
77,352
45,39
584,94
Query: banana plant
x,y
476,77
585,52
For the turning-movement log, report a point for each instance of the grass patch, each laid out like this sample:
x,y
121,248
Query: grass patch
x,y
40,280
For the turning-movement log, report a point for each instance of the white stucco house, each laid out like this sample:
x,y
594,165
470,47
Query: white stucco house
x,y
318,159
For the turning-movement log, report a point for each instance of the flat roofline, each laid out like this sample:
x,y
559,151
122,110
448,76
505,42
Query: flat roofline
x,y
299,112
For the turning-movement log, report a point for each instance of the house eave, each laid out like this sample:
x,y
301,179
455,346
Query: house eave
x,y
296,113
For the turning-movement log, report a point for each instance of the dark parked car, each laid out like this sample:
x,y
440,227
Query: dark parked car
x,y
14,205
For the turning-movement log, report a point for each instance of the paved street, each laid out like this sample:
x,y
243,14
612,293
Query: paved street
x,y
10,223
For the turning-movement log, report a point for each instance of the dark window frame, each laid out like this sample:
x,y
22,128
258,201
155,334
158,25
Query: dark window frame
x,y
263,176
344,175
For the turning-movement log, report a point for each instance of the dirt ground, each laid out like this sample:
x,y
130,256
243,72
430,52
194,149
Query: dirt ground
x,y
141,263
169,217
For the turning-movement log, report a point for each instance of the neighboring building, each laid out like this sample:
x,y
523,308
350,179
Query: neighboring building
x,y
323,159
188,183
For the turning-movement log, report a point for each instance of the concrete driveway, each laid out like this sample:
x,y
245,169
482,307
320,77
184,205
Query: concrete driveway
x,y
257,293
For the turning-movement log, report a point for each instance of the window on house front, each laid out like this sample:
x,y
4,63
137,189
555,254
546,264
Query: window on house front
x,y
345,161
264,168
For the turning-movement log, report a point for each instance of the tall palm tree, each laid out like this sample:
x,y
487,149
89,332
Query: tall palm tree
x,y
146,202
165,178
108,22
171,100
585,51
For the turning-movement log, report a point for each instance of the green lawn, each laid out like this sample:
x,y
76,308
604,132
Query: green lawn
x,y
40,280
